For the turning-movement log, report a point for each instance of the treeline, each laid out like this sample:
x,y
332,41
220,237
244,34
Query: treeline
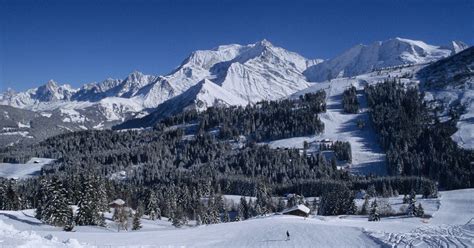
x,y
416,142
376,186
189,198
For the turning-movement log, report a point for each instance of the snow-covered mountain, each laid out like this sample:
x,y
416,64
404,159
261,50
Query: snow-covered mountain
x,y
229,74
200,96
49,92
226,75
365,58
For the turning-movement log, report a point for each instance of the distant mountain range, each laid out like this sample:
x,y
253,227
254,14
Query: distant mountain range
x,y
227,75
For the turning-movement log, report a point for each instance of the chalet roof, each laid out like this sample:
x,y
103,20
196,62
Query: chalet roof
x,y
117,202
300,207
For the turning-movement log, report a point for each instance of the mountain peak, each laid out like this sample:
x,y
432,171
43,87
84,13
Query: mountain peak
x,y
135,75
457,46
264,43
51,84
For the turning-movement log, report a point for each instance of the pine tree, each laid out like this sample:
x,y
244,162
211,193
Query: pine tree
x,y
226,217
198,220
420,212
3,197
405,199
69,225
374,212
371,191
54,208
411,210
244,209
89,212
121,218
158,213
137,225
152,206
179,219
365,206
280,205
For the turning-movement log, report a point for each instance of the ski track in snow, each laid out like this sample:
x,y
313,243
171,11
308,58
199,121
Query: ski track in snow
x,y
450,226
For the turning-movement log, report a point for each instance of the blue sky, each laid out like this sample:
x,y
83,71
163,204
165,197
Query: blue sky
x,y
84,41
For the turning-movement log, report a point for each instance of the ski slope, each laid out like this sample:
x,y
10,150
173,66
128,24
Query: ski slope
x,y
449,227
367,155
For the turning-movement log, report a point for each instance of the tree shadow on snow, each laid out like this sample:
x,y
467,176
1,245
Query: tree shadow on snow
x,y
13,217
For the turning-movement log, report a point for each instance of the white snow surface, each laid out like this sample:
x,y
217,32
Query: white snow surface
x,y
450,226
29,169
361,59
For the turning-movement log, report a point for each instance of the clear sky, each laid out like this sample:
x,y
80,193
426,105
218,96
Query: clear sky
x,y
78,42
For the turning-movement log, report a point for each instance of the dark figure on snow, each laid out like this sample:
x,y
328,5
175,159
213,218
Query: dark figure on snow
x,y
287,235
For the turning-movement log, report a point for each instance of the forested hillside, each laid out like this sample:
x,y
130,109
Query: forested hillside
x,y
192,155
416,142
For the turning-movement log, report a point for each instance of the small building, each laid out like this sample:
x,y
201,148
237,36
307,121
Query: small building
x,y
361,194
118,203
298,210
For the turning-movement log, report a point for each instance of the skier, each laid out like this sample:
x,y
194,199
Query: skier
x,y
287,235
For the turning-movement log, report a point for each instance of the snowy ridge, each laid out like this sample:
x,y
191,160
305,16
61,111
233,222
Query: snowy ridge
x,y
365,58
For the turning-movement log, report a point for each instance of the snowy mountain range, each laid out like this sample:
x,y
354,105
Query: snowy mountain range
x,y
226,75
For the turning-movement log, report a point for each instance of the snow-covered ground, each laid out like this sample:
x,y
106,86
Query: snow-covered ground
x,y
450,226
29,169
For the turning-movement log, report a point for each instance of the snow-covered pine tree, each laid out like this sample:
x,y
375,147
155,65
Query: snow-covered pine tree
x,y
243,209
264,201
280,205
137,225
411,209
152,205
226,217
365,206
55,207
43,197
405,199
371,191
179,218
420,212
198,220
374,212
3,197
69,225
258,210
121,218
158,213
213,212
89,212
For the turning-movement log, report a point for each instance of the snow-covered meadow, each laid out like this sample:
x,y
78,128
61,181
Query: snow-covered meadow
x,y
28,169
451,225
